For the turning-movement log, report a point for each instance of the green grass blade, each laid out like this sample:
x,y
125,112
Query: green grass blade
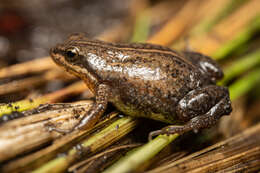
x,y
20,106
209,22
100,140
142,27
242,38
135,158
240,66
244,84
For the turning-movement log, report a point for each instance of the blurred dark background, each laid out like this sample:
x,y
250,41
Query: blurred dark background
x,y
29,28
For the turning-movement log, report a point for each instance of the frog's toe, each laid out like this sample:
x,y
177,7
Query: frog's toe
x,y
168,131
51,127
175,129
154,133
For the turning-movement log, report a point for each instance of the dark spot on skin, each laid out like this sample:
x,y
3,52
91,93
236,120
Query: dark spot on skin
x,y
76,116
174,75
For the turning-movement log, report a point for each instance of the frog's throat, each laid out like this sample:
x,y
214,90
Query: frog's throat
x,y
78,71
85,75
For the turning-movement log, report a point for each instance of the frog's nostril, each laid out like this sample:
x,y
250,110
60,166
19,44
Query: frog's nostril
x,y
53,51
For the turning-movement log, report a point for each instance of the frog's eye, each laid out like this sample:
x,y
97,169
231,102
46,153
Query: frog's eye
x,y
72,52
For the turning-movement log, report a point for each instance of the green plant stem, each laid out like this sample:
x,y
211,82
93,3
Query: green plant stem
x,y
142,26
135,158
242,38
244,84
101,139
20,106
240,66
209,22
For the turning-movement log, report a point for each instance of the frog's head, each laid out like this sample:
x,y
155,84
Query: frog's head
x,y
67,55
71,56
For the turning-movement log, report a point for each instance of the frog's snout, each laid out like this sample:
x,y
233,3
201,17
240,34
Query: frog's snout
x,y
52,51
55,54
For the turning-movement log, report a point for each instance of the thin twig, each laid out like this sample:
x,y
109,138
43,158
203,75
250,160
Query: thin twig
x,y
35,66
176,26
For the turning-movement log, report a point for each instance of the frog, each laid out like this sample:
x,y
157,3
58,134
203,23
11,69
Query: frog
x,y
146,80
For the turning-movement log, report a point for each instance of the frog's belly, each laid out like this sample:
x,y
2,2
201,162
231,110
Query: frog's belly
x,y
133,110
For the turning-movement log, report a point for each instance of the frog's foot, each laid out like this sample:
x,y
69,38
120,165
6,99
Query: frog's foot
x,y
87,121
168,130
92,116
194,124
51,127
223,107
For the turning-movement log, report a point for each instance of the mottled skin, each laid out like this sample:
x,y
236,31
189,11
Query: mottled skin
x,y
146,80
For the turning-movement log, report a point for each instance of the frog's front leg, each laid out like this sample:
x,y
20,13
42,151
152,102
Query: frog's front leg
x,y
94,113
202,107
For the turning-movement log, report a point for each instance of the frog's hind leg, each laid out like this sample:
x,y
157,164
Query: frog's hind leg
x,y
91,116
202,107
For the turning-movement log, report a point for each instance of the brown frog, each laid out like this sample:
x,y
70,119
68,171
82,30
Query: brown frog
x,y
146,80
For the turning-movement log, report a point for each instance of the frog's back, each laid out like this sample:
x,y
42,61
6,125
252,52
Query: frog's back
x,y
145,79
